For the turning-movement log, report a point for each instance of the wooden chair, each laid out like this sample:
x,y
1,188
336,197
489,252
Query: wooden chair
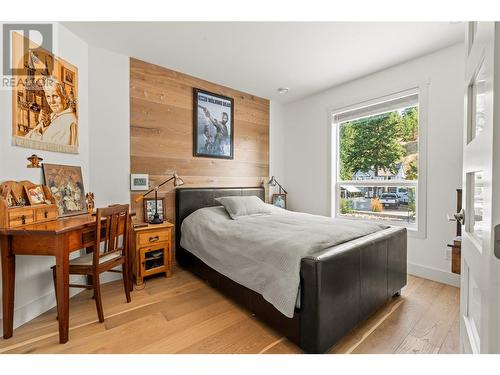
x,y
106,254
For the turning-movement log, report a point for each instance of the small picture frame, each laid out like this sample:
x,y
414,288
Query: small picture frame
x,y
139,181
68,76
9,197
35,194
11,201
279,200
149,208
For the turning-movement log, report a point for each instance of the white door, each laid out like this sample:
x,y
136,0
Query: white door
x,y
480,282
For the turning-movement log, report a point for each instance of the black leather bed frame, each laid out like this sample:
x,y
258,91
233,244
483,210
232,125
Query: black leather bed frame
x,y
340,286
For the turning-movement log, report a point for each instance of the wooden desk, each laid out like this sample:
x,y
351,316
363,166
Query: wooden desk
x,y
58,238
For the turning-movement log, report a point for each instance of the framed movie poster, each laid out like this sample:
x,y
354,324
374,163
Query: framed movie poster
x,y
45,99
213,125
66,185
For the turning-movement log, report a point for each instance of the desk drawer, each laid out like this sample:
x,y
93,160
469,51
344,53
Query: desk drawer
x,y
46,213
21,217
154,237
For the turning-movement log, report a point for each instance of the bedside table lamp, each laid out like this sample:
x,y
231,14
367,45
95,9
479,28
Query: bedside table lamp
x,y
273,182
177,182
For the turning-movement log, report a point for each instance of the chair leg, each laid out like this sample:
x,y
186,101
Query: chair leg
x,y
97,295
54,278
126,276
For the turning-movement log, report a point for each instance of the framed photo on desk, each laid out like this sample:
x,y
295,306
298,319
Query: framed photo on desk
x,y
66,185
35,194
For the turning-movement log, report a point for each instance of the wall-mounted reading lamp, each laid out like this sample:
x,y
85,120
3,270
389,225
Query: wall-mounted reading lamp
x,y
177,182
273,182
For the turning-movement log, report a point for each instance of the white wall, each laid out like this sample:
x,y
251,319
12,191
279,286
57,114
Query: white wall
x,y
110,126
109,137
277,131
307,151
34,288
104,155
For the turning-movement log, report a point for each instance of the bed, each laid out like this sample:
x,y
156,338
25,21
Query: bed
x,y
340,286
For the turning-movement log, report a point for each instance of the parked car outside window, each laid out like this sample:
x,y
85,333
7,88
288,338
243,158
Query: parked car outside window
x,y
403,198
389,200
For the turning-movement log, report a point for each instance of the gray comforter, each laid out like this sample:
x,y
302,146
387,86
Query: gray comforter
x,y
263,252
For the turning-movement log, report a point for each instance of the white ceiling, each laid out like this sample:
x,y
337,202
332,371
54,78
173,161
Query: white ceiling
x,y
259,57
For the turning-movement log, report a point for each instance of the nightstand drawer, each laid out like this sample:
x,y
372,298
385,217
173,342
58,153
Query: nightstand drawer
x,y
154,237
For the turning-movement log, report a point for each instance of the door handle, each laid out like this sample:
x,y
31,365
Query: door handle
x,y
497,241
459,216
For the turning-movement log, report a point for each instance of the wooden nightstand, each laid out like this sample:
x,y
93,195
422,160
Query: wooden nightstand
x,y
152,250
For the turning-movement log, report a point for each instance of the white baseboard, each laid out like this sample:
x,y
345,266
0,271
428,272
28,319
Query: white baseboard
x,y
434,274
31,310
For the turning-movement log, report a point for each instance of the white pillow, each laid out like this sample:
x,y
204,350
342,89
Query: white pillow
x,y
238,206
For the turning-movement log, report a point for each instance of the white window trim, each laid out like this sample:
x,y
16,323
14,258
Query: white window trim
x,y
421,87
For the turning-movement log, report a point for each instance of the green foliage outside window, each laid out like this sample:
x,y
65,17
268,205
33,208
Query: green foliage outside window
x,y
346,206
380,143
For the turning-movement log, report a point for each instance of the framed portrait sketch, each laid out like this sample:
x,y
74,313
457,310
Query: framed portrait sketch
x,y
45,100
213,129
149,208
279,200
66,185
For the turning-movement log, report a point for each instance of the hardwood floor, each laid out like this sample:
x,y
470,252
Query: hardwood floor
x,y
182,314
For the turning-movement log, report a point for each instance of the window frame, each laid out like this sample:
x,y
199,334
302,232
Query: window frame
x,y
421,89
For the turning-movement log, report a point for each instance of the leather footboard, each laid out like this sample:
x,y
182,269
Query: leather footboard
x,y
343,285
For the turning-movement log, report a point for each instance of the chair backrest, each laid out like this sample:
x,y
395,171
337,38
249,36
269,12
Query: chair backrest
x,y
111,223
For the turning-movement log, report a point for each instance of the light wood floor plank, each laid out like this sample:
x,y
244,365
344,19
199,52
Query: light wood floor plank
x,y
282,346
392,332
182,339
182,314
245,337
435,324
451,344
415,345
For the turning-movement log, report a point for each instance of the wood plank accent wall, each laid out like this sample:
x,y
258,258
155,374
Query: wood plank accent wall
x,y
161,134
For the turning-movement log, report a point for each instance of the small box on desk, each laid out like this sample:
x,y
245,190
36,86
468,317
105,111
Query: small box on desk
x,y
17,209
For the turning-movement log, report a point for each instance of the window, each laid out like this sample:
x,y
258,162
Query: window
x,y
476,100
376,161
